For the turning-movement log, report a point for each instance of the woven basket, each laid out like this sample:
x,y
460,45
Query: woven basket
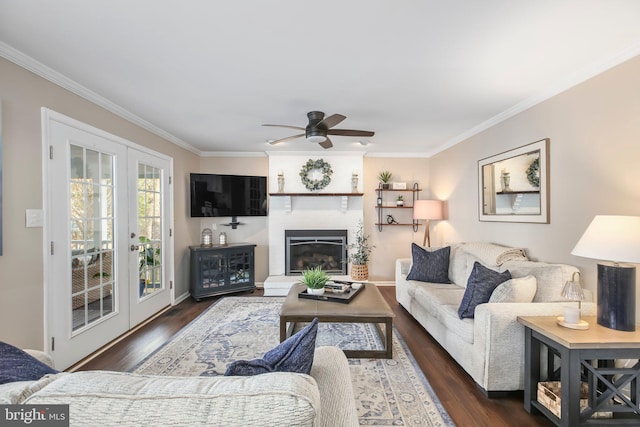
x,y
359,272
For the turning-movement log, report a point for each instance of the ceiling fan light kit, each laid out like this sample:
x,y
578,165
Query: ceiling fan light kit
x,y
318,129
316,138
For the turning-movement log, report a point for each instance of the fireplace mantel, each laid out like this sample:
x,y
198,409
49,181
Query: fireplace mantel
x,y
344,205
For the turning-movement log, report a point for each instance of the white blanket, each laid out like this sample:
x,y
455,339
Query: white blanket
x,y
493,255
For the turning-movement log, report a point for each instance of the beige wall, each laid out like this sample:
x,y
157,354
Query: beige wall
x,y
594,130
23,94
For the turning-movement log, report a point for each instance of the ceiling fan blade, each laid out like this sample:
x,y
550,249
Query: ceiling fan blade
x,y
332,120
350,132
286,126
277,141
326,144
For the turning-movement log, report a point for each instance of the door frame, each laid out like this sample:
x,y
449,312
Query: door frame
x,y
47,116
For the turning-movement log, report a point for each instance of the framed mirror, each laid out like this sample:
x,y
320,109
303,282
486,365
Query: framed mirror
x,y
513,186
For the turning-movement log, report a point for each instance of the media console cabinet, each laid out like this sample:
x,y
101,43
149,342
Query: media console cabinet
x,y
217,269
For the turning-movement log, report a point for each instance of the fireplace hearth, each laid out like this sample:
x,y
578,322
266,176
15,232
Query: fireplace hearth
x,y
305,249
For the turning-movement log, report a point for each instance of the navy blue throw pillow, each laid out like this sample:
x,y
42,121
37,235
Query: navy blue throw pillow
x,y
481,284
295,354
16,365
429,266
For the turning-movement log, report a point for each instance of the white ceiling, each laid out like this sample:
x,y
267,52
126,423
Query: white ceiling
x,y
422,74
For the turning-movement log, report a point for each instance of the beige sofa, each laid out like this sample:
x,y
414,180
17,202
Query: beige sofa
x,y
490,346
324,398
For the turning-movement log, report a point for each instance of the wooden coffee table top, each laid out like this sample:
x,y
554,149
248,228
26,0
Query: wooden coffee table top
x,y
369,303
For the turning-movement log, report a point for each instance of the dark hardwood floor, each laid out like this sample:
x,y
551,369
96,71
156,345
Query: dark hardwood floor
x,y
464,401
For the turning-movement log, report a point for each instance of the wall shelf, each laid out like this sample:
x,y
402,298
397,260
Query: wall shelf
x,y
344,198
519,192
399,224
316,194
381,207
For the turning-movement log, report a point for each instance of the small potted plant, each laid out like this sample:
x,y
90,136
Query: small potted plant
x,y
385,179
400,201
359,252
314,279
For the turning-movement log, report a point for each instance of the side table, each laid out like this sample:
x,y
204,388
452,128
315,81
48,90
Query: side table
x,y
585,357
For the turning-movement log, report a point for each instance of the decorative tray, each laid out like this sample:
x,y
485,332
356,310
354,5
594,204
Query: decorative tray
x,y
344,297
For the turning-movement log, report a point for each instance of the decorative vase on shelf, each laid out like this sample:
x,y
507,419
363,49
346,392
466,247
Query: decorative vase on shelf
x,y
505,180
354,183
280,182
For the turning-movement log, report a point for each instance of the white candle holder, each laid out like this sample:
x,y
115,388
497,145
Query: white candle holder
x,y
280,183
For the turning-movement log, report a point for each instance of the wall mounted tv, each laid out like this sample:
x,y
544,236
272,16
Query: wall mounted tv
x,y
228,195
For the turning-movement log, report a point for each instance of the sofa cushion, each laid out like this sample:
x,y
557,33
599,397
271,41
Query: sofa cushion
x,y
432,296
295,354
458,268
17,365
550,278
121,399
429,266
463,328
480,286
518,289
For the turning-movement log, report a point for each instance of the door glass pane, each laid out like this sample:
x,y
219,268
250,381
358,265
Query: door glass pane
x,y
149,228
91,224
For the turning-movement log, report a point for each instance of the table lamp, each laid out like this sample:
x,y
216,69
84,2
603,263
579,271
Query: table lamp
x,y
614,238
427,210
572,291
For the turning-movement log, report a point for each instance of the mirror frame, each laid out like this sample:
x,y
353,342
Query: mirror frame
x,y
543,216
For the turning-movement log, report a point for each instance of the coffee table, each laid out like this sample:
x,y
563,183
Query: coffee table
x,y
368,306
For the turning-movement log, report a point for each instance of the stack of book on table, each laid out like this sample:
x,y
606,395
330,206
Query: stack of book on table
x,y
340,286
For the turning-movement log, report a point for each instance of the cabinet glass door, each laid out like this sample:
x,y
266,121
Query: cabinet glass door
x,y
240,264
213,270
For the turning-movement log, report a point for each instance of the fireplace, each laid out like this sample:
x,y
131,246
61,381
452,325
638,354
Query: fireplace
x,y
326,249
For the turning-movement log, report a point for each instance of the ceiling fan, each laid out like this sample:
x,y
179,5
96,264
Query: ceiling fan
x,y
319,128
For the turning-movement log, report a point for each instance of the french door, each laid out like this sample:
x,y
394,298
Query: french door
x,y
107,229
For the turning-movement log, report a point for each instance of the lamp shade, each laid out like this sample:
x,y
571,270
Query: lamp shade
x,y
611,238
572,290
427,209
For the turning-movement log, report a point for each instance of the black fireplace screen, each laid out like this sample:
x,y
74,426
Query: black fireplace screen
x,y
305,249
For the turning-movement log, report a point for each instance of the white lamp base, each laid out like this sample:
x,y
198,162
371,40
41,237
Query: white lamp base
x,y
582,325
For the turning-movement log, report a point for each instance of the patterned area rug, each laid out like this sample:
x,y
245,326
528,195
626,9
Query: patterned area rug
x,y
388,392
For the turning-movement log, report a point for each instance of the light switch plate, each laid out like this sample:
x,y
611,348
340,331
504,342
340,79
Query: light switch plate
x,y
34,218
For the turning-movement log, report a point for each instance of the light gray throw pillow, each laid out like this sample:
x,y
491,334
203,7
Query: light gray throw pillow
x,y
519,289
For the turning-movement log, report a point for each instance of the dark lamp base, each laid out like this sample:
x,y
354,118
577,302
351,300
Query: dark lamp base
x,y
617,297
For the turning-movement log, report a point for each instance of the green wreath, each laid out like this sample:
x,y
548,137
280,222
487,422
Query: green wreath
x,y
533,173
315,184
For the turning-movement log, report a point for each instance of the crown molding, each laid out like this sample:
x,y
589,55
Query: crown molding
x,y
561,86
38,68
233,154
314,153
395,154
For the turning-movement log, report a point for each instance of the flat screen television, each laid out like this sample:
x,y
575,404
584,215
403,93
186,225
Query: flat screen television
x,y
228,195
